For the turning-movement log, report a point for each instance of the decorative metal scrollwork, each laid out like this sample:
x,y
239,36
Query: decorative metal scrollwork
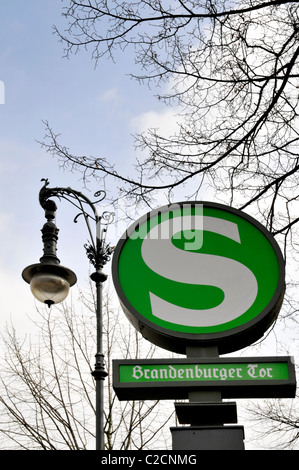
x,y
97,250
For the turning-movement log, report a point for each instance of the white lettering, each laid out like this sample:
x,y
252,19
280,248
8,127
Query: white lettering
x,y
237,282
112,460
207,373
223,374
251,369
262,372
163,374
172,372
198,372
137,372
189,373
164,459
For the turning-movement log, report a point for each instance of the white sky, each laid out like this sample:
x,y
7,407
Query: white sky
x,y
95,110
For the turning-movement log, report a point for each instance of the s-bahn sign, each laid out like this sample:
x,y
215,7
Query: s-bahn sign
x,y
246,377
200,274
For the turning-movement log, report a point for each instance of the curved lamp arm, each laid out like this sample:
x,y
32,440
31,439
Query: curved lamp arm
x,y
49,281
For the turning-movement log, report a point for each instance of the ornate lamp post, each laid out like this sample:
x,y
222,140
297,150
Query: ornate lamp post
x,y
50,282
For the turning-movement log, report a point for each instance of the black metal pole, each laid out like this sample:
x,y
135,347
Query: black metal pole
x,y
99,372
98,254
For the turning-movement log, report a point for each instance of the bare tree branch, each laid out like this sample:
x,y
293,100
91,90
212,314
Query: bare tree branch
x,y
47,390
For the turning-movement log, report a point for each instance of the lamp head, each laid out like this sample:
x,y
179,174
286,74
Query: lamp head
x,y
49,283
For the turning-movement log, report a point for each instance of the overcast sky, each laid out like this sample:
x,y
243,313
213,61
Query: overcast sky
x,y
95,110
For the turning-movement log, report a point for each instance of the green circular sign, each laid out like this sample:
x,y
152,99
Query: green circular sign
x,y
199,273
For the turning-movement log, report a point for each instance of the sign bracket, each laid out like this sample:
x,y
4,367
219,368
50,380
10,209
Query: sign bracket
x,y
206,409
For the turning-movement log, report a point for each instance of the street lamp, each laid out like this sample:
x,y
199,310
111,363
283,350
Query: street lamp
x,y
50,282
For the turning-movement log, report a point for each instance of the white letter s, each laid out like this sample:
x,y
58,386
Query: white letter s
x,y
237,282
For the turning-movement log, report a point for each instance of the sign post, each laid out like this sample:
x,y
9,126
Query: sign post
x,y
201,279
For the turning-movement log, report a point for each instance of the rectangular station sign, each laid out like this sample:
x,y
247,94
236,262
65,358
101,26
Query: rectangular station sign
x,y
251,377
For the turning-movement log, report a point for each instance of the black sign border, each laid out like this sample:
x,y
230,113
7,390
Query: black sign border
x,y
226,341
229,389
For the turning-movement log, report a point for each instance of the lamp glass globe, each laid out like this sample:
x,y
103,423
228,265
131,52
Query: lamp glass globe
x,y
49,288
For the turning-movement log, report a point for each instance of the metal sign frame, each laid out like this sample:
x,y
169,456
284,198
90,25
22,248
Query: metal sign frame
x,y
244,386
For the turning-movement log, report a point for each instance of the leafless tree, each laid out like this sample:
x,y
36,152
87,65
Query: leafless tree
x,y
47,393
276,423
229,72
